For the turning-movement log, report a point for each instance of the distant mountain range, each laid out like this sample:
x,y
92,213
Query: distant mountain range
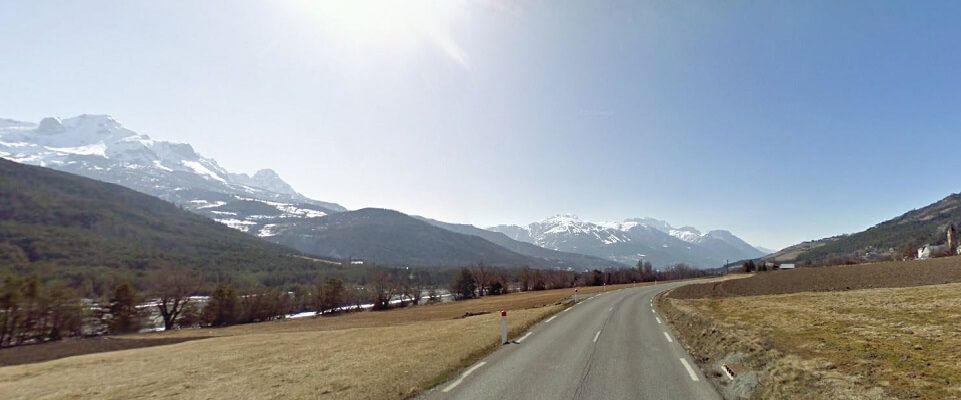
x,y
60,225
633,239
390,237
554,257
263,205
894,238
98,147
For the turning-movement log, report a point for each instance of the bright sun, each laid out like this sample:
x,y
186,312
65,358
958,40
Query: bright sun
x,y
398,25
384,20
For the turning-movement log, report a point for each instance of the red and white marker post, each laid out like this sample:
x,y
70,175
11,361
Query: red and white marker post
x,y
575,295
504,327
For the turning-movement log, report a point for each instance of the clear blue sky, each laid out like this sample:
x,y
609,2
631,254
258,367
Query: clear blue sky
x,y
781,121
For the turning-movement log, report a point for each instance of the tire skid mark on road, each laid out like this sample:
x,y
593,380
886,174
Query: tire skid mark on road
x,y
462,376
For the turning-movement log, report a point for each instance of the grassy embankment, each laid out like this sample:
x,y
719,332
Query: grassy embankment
x,y
880,343
367,355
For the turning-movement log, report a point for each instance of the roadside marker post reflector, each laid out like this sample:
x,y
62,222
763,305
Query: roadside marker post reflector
x,y
504,327
575,295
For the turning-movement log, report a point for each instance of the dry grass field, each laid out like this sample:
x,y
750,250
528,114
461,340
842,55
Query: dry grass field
x,y
368,355
879,343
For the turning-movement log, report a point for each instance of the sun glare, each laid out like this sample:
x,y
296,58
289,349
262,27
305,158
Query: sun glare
x,y
384,21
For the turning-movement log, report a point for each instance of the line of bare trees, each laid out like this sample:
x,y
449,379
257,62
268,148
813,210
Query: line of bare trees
x,y
481,280
33,312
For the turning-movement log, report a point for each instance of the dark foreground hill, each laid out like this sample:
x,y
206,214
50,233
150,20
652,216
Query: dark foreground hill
x,y
390,237
57,224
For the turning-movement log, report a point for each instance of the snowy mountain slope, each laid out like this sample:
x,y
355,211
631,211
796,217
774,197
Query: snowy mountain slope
x,y
558,258
632,239
99,147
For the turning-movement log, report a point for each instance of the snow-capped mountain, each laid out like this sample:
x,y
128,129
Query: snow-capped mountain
x,y
633,239
98,147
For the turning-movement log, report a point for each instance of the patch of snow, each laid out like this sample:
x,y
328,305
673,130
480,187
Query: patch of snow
x,y
97,149
159,165
202,170
224,213
207,204
240,225
267,230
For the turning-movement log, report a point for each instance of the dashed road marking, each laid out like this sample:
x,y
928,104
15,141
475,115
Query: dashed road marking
x,y
668,337
524,337
658,319
462,376
550,319
597,335
690,371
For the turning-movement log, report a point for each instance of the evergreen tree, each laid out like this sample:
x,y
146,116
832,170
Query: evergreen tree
x,y
125,317
222,308
464,285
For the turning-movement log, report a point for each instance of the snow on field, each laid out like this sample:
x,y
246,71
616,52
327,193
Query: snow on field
x,y
267,230
207,204
224,213
237,224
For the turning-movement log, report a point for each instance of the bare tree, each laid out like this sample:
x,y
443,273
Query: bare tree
x,y
483,276
383,287
173,288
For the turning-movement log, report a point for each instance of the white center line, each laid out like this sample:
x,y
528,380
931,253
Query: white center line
x,y
550,319
658,319
524,337
690,371
462,376
596,335
669,340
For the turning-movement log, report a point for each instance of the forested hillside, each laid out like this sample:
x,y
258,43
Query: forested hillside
x,y
896,238
59,225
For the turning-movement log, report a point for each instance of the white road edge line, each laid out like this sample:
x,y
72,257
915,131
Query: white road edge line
x,y
462,376
668,337
658,319
597,335
550,319
690,371
611,309
524,337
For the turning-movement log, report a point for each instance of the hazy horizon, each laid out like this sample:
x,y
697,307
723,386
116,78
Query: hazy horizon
x,y
779,122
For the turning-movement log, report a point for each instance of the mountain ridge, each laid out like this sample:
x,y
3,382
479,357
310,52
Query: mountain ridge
x,y
632,239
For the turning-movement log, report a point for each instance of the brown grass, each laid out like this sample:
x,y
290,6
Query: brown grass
x,y
902,342
836,278
369,355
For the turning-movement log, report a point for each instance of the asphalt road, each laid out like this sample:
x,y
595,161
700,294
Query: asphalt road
x,y
611,346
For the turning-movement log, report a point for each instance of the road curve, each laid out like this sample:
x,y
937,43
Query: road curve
x,y
610,346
